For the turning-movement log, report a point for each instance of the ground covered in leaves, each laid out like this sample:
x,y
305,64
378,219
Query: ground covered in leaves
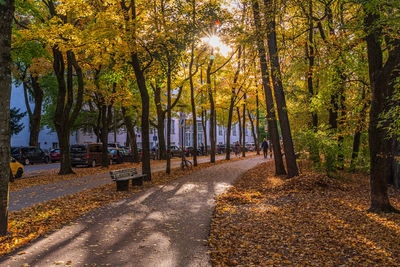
x,y
307,220
36,221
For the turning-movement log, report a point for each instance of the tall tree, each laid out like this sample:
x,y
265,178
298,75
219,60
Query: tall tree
x,y
6,16
382,78
271,117
131,20
278,89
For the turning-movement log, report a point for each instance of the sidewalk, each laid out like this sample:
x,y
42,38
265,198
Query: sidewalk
x,y
41,193
161,226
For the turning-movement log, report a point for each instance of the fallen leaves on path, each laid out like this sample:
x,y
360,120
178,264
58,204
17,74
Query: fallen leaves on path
x,y
30,223
307,220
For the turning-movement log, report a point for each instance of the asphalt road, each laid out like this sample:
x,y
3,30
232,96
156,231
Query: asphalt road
x,y
38,169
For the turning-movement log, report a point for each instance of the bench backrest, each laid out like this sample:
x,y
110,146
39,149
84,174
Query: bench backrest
x,y
122,173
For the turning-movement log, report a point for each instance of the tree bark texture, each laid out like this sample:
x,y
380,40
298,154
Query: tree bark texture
x,y
204,125
212,110
240,126
244,128
381,75
130,128
257,143
272,124
6,17
33,88
276,74
67,109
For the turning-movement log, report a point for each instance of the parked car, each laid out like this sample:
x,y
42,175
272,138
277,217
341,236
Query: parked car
x,y
250,147
189,151
119,155
17,169
175,151
55,155
89,155
29,155
220,149
153,154
114,145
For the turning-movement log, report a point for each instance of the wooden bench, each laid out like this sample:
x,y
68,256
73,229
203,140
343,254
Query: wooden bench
x,y
122,178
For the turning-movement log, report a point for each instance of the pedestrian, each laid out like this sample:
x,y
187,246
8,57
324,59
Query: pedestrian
x,y
202,148
264,146
237,149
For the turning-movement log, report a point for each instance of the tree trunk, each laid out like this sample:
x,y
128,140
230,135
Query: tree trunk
x,y
278,90
160,122
252,128
144,94
212,110
106,122
311,59
66,113
380,77
229,128
240,126
36,115
272,124
234,95
169,118
6,15
130,128
204,125
244,128
257,142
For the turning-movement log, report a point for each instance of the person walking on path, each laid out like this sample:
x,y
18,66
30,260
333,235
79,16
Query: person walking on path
x,y
264,146
237,149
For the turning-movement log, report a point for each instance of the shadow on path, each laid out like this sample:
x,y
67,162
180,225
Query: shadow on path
x,y
161,226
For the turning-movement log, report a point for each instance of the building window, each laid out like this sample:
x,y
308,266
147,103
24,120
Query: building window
x,y
200,139
220,130
172,127
234,130
188,141
199,127
247,132
55,145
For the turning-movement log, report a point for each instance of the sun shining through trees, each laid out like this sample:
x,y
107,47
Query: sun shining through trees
x,y
215,42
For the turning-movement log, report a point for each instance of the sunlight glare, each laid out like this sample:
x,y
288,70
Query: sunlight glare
x,y
215,42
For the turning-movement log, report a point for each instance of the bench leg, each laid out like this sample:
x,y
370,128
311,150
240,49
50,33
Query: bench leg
x,y
138,181
123,185
146,178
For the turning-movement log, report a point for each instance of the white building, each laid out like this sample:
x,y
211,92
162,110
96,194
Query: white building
x,y
48,139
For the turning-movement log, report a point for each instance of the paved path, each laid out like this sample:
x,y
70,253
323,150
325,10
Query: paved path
x,y
41,193
161,226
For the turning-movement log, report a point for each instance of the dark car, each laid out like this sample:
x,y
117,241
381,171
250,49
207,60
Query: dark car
x,y
175,151
220,149
55,155
189,151
89,155
29,155
119,155
153,154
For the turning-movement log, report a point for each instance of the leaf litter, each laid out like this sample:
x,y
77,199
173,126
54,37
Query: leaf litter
x,y
307,220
